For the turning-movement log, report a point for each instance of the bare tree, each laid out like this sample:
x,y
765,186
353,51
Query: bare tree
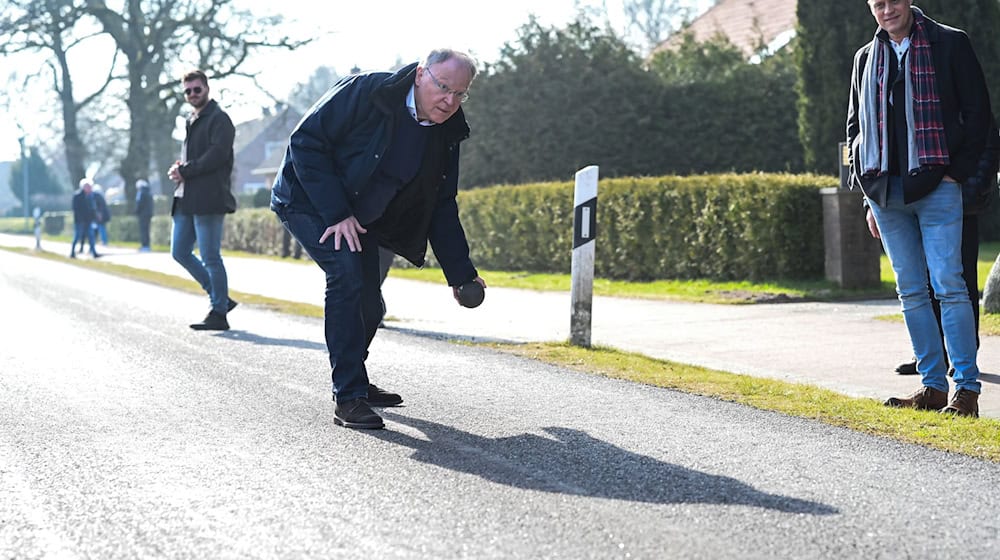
x,y
655,20
51,26
161,38
305,94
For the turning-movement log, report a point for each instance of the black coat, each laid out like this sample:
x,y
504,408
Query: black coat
x,y
209,168
103,214
84,211
144,202
965,108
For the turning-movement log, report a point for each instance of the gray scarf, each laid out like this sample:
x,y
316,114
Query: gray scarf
x,y
925,142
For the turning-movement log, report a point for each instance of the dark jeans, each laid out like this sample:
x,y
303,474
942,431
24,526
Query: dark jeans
x,y
83,231
144,231
353,307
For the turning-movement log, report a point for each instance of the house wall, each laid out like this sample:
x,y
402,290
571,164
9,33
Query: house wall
x,y
273,137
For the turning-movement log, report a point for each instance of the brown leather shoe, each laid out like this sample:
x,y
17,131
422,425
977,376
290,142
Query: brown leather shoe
x,y
927,398
964,403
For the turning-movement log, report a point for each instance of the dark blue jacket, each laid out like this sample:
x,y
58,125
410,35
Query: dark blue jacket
x,y
335,149
101,213
84,208
143,203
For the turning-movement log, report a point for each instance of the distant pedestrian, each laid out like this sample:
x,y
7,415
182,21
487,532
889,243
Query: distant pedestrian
x,y
102,214
918,118
375,163
143,212
203,197
84,214
385,260
289,246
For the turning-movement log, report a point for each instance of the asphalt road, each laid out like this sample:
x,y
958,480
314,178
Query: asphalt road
x,y
124,434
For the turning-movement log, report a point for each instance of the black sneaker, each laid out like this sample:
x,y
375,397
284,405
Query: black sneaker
x,y
907,368
213,322
231,305
357,414
378,397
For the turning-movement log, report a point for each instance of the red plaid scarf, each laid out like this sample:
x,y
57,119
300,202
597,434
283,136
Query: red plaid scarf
x,y
926,144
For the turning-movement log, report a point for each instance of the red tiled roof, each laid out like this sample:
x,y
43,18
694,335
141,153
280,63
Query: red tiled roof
x,y
747,23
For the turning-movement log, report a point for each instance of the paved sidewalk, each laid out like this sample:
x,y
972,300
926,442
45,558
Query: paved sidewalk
x,y
839,346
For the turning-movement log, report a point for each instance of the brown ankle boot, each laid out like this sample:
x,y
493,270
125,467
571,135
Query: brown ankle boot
x,y
964,403
927,398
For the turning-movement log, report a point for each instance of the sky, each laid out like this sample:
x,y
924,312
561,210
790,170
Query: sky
x,y
369,34
375,34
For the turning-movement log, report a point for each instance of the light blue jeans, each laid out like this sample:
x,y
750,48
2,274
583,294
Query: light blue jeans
x,y
923,238
208,271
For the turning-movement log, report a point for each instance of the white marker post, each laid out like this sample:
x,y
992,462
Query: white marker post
x,y
38,228
584,232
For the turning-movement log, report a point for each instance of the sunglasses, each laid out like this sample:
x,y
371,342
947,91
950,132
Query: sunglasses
x,y
195,90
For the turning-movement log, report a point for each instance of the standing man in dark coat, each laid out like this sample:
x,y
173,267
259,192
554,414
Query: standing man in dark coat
x,y
84,214
375,163
917,124
203,197
143,212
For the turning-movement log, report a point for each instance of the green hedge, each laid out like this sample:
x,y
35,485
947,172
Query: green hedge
x,y
725,227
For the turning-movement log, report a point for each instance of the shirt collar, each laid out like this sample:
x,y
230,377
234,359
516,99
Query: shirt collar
x,y
411,105
900,47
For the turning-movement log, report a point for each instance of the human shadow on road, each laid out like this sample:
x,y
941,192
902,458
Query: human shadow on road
x,y
268,341
573,462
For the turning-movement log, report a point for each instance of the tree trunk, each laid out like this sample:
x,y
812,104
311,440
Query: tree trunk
x,y
135,165
76,152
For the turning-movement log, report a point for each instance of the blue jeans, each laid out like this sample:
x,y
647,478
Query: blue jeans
x,y
353,307
208,271
925,238
102,232
82,231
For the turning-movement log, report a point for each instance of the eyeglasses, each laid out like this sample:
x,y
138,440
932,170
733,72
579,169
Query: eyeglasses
x,y
196,90
462,96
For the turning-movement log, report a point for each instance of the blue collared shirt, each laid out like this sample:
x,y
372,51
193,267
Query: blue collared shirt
x,y
411,105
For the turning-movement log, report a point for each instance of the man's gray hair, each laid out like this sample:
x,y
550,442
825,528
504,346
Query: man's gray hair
x,y
86,181
438,56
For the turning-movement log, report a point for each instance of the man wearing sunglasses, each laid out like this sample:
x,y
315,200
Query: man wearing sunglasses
x,y
375,163
203,197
